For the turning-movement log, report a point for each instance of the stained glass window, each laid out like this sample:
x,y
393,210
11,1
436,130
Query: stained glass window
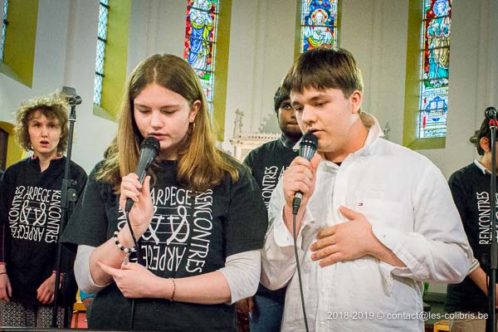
x,y
101,43
200,42
318,24
4,27
435,60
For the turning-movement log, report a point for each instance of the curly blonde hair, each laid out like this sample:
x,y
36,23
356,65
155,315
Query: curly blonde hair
x,y
53,106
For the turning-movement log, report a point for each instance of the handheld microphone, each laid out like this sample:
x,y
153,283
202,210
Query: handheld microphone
x,y
148,152
307,149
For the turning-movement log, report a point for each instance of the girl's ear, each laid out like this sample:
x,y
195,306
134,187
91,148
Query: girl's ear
x,y
194,109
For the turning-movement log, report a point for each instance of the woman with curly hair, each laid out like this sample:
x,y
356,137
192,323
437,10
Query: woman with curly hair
x,y
30,214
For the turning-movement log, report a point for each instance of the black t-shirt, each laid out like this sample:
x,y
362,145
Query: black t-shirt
x,y
30,209
470,190
267,163
189,235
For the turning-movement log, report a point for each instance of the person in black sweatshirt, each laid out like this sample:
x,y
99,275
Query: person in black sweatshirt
x,y
30,216
267,164
470,187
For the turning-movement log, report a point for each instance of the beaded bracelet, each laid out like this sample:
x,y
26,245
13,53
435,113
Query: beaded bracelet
x,y
121,247
174,289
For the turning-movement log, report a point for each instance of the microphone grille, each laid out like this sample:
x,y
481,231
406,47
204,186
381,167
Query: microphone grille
x,y
152,143
308,145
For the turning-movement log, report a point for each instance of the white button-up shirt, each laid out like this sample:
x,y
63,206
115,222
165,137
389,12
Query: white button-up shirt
x,y
407,200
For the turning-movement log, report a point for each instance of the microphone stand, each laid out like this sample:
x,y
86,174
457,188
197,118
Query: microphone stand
x,y
491,321
68,195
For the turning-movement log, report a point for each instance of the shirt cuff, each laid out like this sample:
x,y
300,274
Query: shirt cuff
x,y
282,235
386,236
391,239
474,265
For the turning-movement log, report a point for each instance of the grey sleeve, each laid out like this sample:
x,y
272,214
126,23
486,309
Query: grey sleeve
x,y
242,272
82,270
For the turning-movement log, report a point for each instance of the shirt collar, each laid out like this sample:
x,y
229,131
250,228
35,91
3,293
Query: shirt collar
x,y
481,167
374,132
289,143
374,129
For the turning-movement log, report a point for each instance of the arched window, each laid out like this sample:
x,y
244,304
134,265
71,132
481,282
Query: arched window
x,y
318,24
200,42
427,74
111,56
435,66
101,45
4,27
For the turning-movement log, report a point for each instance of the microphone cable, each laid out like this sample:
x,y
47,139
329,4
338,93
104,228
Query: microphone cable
x,y
149,149
294,235
307,148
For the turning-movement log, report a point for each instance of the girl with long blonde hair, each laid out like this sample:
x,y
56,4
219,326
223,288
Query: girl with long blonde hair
x,y
198,216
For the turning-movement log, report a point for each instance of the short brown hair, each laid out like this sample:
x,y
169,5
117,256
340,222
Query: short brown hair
x,y
323,68
53,106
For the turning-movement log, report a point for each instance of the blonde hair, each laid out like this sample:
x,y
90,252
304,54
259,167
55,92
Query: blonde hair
x,y
53,106
200,164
